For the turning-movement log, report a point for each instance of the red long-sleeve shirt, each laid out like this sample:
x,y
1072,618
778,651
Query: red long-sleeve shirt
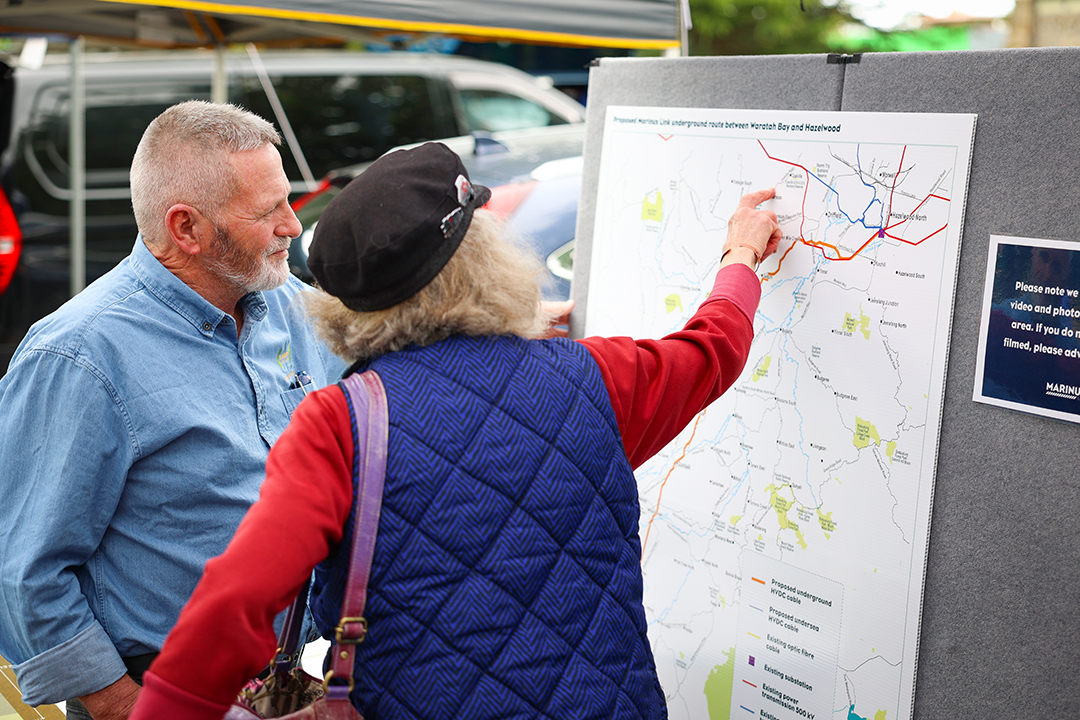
x,y
225,635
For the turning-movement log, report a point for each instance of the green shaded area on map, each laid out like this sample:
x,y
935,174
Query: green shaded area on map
x,y
762,369
653,209
718,688
828,525
857,324
782,505
673,302
864,433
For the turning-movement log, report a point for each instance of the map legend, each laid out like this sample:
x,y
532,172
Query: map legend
x,y
789,629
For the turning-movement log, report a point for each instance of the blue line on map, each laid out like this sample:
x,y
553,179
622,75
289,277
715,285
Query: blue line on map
x,y
679,529
783,347
881,219
748,710
660,265
835,195
802,419
674,601
789,321
735,490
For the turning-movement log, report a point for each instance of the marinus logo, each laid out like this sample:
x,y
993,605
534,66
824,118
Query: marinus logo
x,y
1061,390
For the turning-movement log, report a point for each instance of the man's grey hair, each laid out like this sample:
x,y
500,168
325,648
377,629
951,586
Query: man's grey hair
x,y
183,158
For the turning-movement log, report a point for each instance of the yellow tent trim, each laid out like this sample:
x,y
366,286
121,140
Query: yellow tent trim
x,y
410,26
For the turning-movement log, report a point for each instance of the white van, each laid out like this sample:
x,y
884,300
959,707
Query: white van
x,y
344,108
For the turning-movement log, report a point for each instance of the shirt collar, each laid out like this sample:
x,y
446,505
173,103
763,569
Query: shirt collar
x,y
175,293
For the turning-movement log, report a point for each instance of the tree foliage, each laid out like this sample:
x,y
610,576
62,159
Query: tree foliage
x,y
762,27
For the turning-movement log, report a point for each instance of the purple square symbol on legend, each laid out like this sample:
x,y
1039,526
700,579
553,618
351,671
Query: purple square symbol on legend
x,y
751,659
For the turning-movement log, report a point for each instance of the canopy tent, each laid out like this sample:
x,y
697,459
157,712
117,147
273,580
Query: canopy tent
x,y
630,24
641,24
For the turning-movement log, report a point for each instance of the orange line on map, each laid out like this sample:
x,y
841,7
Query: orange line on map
x,y
757,580
662,484
883,232
781,261
841,258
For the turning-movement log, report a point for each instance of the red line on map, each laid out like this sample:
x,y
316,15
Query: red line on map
x,y
884,232
665,138
893,190
806,183
660,496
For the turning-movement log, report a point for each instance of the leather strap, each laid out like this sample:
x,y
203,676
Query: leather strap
x,y
289,637
367,398
367,401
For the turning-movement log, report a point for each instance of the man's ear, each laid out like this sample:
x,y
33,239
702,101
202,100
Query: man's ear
x,y
187,227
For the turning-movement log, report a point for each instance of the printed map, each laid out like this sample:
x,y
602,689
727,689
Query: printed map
x,y
785,530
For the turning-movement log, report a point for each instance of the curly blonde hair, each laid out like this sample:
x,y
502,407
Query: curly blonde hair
x,y
490,286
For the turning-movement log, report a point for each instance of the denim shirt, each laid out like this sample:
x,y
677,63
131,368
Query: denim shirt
x,y
134,430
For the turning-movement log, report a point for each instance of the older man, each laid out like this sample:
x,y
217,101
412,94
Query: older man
x,y
135,421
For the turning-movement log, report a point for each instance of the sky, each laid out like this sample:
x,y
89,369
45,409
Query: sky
x,y
888,14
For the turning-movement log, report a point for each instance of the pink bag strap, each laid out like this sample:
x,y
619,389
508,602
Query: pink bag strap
x,y
367,399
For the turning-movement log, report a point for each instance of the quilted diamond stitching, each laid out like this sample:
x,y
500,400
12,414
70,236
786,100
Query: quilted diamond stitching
x,y
562,435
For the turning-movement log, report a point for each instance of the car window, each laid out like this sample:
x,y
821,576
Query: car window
x,y
116,116
346,119
494,110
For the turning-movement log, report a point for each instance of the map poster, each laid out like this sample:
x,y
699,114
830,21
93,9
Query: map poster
x,y
1029,339
785,530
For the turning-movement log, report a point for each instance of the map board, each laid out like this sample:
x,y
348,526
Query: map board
x,y
785,530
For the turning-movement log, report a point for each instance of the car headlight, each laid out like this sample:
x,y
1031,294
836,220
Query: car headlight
x,y
305,239
561,261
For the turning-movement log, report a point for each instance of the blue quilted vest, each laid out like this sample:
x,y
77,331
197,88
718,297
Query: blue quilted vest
x,y
506,581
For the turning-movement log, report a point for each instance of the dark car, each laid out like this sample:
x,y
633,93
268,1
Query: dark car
x,y
344,108
535,182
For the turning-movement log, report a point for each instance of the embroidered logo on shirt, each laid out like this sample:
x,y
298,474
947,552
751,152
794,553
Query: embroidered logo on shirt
x,y
285,361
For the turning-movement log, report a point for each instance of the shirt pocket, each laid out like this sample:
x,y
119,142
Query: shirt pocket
x,y
292,398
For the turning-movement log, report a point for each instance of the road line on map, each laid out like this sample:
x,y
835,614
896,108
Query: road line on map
x,y
878,232
892,191
806,186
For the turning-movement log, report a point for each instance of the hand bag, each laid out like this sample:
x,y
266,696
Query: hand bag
x,y
289,692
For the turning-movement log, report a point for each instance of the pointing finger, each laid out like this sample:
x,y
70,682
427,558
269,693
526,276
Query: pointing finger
x,y
753,199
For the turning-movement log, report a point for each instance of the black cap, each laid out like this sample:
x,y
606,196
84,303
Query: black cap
x,y
394,227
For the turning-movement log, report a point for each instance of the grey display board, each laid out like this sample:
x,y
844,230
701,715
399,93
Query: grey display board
x,y
1000,631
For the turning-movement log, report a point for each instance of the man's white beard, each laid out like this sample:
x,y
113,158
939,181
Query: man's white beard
x,y
244,270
